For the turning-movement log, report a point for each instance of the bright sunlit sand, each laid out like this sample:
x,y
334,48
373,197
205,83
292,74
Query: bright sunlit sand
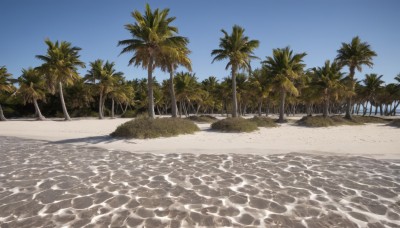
x,y
371,140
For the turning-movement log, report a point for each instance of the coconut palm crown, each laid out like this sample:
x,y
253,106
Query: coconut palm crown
x,y
153,38
354,55
238,49
60,67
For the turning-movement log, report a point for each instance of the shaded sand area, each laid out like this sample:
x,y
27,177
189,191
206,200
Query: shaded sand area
x,y
48,185
372,140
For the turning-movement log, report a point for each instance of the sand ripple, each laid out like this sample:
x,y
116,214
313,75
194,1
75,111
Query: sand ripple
x,y
53,185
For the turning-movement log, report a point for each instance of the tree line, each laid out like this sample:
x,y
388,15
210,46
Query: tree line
x,y
281,85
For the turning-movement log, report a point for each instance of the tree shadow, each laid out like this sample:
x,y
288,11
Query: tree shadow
x,y
89,140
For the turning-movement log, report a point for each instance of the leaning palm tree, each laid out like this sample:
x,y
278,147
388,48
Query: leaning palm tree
x,y
152,38
32,87
170,61
238,49
60,67
328,81
284,67
6,86
354,55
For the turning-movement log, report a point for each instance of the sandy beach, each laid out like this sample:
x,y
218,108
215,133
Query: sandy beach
x,y
72,174
370,140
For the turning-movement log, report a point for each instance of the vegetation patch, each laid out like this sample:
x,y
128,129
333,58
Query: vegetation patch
x,y
369,119
316,121
320,121
263,121
234,125
202,119
129,114
143,128
395,123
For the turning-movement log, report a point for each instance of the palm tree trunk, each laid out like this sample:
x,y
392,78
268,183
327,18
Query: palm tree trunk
x,y
234,98
37,110
2,118
64,107
282,106
348,100
150,89
112,108
174,108
370,108
259,108
101,106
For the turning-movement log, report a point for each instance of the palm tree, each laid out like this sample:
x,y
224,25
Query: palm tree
x,y
373,84
328,81
284,67
121,93
153,38
187,91
60,67
354,55
259,86
238,49
169,62
107,78
6,86
32,87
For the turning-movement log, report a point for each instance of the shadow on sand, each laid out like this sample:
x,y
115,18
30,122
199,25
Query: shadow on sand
x,y
91,140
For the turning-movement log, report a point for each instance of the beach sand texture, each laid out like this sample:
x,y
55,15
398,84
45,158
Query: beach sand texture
x,y
372,140
44,184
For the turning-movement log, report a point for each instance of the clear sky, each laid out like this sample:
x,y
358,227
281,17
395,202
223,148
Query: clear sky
x,y
317,27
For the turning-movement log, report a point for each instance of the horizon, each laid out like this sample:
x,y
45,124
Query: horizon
x,y
98,29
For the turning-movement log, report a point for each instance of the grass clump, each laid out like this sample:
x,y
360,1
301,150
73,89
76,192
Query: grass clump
x,y
202,119
263,121
143,128
234,125
395,123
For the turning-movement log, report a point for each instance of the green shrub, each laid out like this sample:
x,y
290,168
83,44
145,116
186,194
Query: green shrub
x,y
263,121
234,125
143,128
395,123
202,118
316,121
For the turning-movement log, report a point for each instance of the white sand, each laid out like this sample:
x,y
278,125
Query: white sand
x,y
372,140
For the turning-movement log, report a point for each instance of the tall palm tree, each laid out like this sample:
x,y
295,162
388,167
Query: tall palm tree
x,y
284,67
372,86
6,86
238,49
354,55
328,81
152,38
32,87
60,67
170,61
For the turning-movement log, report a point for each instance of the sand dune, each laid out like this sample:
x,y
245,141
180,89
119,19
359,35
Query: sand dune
x,y
371,140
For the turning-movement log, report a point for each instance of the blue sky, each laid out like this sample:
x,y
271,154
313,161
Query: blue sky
x,y
317,27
